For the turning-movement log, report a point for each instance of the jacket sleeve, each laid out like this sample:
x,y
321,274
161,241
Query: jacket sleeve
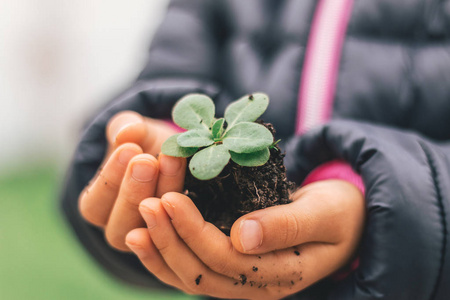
x,y
181,60
404,253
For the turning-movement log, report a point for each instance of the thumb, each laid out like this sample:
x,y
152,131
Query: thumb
x,y
321,212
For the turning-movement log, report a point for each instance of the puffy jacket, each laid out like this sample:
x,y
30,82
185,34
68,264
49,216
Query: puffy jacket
x,y
364,81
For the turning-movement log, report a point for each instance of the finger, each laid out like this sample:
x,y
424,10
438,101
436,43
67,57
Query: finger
x,y
281,270
171,176
197,278
139,241
138,183
215,250
126,127
317,216
131,127
318,261
97,199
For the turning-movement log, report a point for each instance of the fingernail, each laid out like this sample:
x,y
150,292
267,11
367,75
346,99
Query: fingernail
x,y
143,172
126,155
149,216
169,165
250,234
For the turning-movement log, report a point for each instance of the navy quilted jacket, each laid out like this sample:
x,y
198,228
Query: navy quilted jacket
x,y
365,81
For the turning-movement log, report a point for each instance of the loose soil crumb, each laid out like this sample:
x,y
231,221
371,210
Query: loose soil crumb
x,y
243,279
240,190
255,269
197,280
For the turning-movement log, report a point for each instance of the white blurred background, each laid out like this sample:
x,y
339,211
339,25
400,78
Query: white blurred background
x,y
60,60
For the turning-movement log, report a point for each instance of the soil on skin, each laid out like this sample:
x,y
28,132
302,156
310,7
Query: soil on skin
x,y
239,190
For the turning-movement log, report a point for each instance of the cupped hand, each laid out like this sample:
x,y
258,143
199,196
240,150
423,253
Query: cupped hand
x,y
296,244
329,211
130,172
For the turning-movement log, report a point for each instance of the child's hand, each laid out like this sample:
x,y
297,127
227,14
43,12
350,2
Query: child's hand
x,y
296,244
130,173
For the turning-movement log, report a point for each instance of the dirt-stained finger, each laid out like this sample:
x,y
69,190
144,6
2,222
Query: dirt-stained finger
x,y
138,184
98,198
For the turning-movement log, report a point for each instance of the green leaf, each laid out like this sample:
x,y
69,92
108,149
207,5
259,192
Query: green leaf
x,y
194,111
246,109
253,159
209,162
171,147
247,137
195,138
217,128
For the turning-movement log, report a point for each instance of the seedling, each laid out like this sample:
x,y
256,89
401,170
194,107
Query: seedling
x,y
213,142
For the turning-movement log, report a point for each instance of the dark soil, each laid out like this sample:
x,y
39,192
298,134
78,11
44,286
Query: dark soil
x,y
239,190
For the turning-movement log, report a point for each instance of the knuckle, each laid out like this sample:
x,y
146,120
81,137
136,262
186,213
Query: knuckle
x,y
132,202
190,235
106,182
289,231
164,249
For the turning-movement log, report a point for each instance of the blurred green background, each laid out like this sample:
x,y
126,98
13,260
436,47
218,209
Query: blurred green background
x,y
39,256
59,61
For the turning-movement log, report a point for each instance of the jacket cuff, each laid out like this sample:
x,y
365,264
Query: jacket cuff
x,y
336,169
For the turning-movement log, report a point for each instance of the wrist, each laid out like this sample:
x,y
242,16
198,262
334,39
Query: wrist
x,y
335,169
338,169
